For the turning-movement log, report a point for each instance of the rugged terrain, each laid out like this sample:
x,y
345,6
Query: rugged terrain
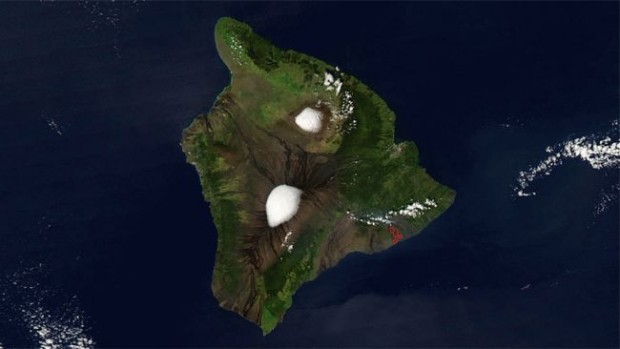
x,y
361,191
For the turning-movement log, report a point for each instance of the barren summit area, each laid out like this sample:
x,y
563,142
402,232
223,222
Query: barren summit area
x,y
286,121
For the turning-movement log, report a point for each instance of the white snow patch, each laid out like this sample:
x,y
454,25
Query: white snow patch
x,y
309,120
282,204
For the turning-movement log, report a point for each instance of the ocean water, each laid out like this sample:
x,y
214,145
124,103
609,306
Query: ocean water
x,y
106,238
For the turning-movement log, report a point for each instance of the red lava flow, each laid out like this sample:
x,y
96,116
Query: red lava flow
x,y
395,233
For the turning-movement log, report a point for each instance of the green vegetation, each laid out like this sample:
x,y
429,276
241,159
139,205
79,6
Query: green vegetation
x,y
284,278
220,192
255,59
249,141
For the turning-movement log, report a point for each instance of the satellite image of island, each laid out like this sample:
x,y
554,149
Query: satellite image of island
x,y
223,174
299,163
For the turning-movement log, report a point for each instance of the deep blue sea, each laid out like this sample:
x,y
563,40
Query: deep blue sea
x,y
103,228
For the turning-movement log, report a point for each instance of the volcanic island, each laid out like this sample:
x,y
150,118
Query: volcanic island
x,y
299,163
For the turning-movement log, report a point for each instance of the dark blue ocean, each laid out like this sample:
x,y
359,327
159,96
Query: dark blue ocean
x,y
99,211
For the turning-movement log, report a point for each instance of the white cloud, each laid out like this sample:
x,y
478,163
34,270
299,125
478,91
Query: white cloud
x,y
600,152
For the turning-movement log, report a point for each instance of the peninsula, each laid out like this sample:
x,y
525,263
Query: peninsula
x,y
299,164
